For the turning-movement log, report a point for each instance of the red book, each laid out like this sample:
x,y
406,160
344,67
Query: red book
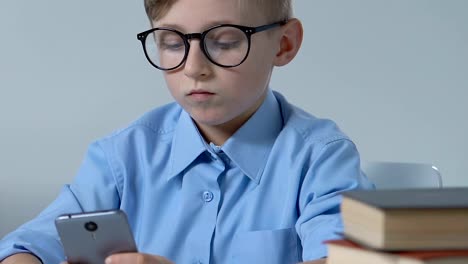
x,y
347,252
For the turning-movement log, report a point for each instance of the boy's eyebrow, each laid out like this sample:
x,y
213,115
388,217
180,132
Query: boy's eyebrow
x,y
205,27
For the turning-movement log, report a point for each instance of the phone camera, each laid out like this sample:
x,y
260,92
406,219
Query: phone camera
x,y
91,226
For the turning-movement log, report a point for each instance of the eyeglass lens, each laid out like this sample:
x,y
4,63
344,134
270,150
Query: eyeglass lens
x,y
226,46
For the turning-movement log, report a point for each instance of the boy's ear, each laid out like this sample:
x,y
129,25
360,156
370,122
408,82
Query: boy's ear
x,y
290,42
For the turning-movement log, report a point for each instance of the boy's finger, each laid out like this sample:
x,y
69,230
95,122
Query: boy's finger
x,y
135,258
122,258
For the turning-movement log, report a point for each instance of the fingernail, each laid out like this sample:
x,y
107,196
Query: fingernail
x,y
108,260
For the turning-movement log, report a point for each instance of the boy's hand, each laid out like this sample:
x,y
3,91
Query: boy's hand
x,y
21,258
318,261
136,258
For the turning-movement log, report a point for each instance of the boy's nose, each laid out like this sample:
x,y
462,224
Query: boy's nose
x,y
196,65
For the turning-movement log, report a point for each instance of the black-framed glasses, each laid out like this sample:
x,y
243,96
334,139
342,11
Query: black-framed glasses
x,y
225,45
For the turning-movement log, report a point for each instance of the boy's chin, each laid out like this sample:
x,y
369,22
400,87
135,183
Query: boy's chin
x,y
210,119
206,121
218,118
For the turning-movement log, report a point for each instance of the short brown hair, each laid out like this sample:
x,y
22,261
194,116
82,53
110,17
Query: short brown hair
x,y
273,10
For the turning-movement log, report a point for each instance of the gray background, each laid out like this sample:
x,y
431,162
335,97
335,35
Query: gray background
x,y
393,74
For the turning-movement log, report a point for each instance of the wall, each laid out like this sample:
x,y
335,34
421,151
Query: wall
x,y
393,74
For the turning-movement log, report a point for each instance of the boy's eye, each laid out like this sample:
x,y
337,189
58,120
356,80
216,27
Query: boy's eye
x,y
169,41
224,44
171,45
225,38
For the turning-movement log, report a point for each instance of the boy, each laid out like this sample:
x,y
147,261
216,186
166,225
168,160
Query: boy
x,y
231,173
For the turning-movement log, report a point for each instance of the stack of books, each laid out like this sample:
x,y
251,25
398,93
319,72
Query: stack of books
x,y
417,226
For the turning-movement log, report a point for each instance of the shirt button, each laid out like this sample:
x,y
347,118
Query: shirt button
x,y
207,196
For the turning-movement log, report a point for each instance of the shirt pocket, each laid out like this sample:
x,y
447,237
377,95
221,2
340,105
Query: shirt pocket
x,y
267,246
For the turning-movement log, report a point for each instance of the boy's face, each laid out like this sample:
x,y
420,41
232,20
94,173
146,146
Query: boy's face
x,y
213,95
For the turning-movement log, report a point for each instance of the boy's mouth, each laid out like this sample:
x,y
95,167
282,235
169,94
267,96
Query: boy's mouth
x,y
199,91
200,95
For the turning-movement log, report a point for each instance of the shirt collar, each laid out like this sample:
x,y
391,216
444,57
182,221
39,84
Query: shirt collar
x,y
250,146
187,145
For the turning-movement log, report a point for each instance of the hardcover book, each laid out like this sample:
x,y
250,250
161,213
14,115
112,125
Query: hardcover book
x,y
409,219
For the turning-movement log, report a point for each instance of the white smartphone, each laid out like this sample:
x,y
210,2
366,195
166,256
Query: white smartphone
x,y
88,238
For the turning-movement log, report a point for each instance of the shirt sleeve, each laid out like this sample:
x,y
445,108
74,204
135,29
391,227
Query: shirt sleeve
x,y
334,169
94,188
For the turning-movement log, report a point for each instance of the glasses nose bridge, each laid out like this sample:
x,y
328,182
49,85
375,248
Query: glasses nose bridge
x,y
191,36
199,36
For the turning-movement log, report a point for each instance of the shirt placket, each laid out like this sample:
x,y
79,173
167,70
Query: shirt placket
x,y
207,200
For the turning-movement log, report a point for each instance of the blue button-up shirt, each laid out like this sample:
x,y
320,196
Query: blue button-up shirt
x,y
270,194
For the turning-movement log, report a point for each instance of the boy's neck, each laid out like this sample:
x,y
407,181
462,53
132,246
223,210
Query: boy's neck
x,y
220,133
215,135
